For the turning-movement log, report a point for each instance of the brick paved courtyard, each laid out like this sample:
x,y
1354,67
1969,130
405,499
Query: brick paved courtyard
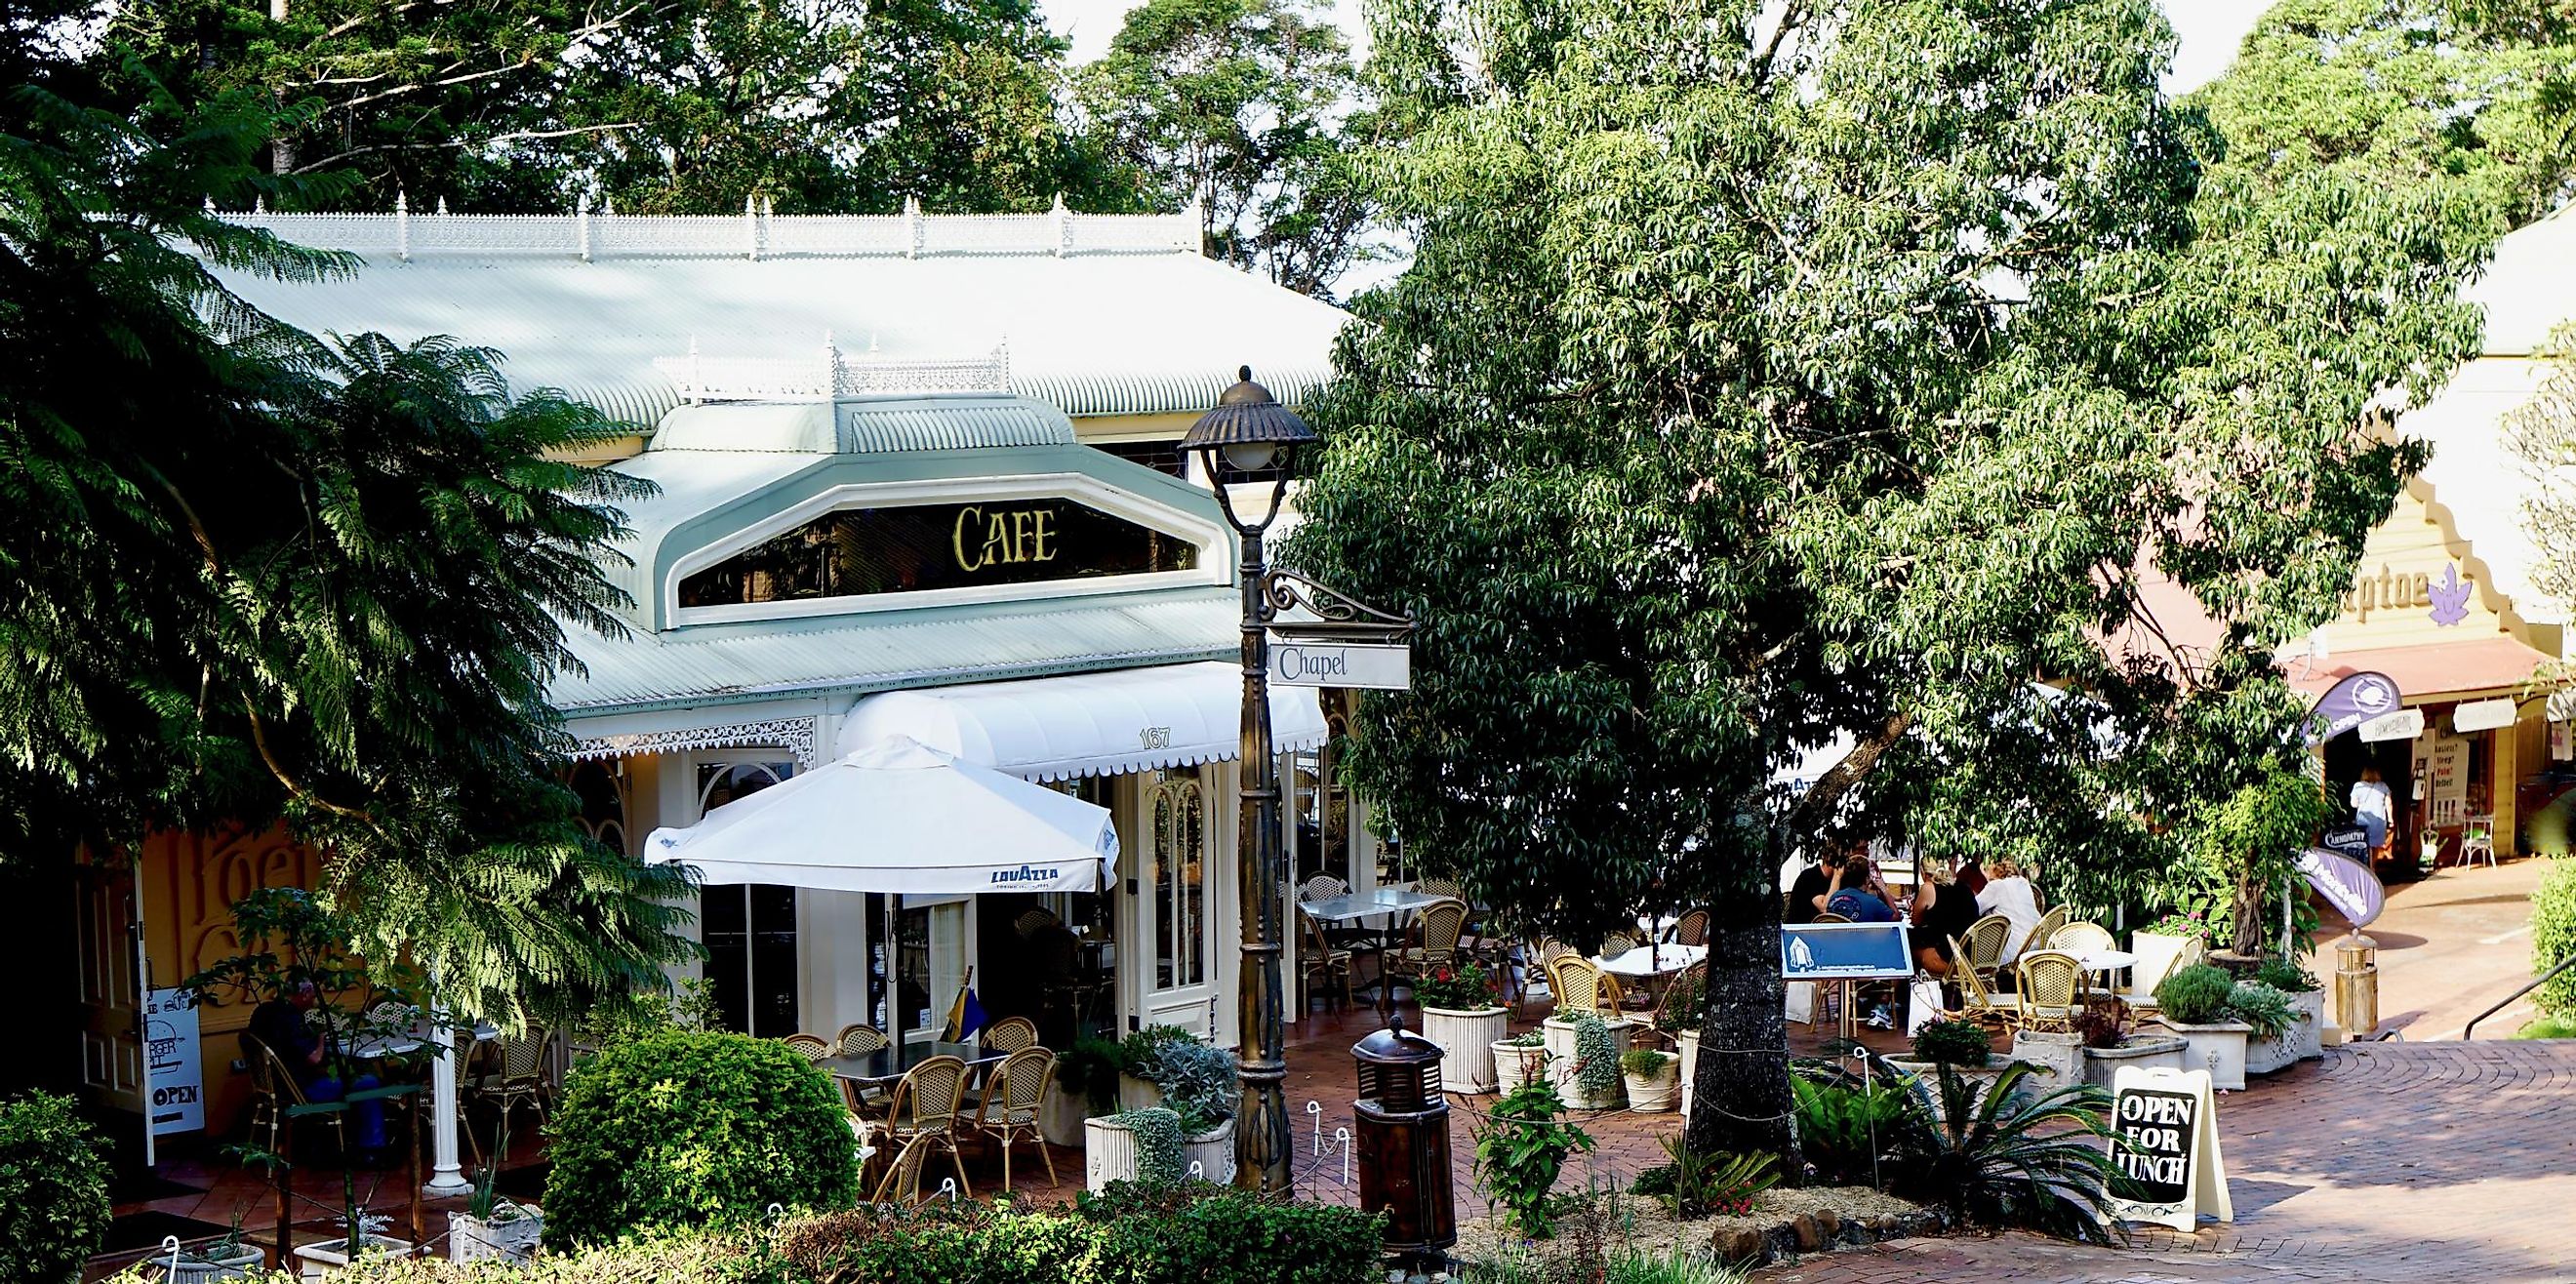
x,y
2387,1162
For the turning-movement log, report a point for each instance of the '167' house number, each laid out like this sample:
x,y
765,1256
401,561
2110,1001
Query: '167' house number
x,y
1155,737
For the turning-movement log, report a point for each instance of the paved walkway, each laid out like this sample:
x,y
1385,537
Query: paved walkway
x,y
2450,947
2387,1162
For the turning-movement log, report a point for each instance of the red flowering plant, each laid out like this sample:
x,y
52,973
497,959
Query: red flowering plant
x,y
1458,987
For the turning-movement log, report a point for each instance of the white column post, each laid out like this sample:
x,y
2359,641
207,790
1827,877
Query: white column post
x,y
447,1176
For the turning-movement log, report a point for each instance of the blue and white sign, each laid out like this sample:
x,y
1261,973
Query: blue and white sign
x,y
1845,952
172,1073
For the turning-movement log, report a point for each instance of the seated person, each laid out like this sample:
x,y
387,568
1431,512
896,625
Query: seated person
x,y
1808,891
1942,913
1856,893
280,1024
2007,893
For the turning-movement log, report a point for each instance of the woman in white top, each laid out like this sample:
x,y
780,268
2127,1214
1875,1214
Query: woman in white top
x,y
2008,893
2373,807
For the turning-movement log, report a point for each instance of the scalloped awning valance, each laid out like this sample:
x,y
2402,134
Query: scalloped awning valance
x,y
1088,724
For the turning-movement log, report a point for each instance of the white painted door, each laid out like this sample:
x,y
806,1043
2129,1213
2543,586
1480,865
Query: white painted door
x,y
111,995
1174,967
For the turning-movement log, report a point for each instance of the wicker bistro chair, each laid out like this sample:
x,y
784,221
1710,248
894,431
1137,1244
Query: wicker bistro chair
x,y
521,1079
1976,1000
2050,982
812,1047
860,1040
1010,1034
1007,1110
1441,924
1690,929
2141,994
901,1184
2082,938
1580,985
1985,946
274,1088
1617,943
925,1108
1028,923
1319,963
2046,928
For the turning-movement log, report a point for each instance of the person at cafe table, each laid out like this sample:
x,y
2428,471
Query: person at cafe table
x,y
1856,893
280,1023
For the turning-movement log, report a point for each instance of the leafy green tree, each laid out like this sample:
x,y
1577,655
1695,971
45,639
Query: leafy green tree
x,y
1247,109
258,575
1768,381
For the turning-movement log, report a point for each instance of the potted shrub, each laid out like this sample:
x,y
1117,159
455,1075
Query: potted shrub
x,y
1518,1059
1136,1089
2269,1012
1086,1086
2305,1039
1462,1011
1956,1042
1653,1079
228,1258
362,1237
2106,1042
1586,1072
1133,1145
1199,1086
491,1226
2193,1004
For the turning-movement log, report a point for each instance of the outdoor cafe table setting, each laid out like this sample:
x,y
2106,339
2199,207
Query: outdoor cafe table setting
x,y
1646,961
1396,903
397,1043
884,1067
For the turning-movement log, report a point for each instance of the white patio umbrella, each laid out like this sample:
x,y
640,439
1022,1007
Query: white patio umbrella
x,y
900,818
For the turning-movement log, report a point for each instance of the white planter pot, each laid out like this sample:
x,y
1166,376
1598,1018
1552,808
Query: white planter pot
x,y
209,1267
1467,1039
473,1239
1562,1061
2217,1048
1516,1064
2144,1051
2308,1036
2059,1057
316,1261
1654,1096
1060,1117
1690,1065
2268,1056
1108,1153
2156,953
1211,1153
1137,1094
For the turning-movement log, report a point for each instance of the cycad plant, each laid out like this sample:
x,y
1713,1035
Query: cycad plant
x,y
1997,1155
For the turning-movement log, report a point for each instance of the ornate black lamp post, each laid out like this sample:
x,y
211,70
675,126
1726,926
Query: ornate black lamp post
x,y
1251,431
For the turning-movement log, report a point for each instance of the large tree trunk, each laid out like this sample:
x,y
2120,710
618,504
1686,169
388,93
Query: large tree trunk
x,y
1740,1099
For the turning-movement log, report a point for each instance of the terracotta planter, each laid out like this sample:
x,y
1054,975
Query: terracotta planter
x,y
2218,1048
1060,1116
1562,1060
511,1239
2144,1051
207,1266
2060,1057
1467,1037
1654,1095
1211,1153
317,1261
1690,1065
1516,1063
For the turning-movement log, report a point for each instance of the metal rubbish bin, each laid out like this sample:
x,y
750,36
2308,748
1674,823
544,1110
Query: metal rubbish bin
x,y
1403,1142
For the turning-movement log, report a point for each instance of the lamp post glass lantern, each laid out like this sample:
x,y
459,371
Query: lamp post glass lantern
x,y
1250,431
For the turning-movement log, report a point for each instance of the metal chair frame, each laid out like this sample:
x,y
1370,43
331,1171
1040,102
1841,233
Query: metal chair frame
x,y
1317,959
925,1108
274,1088
1019,1086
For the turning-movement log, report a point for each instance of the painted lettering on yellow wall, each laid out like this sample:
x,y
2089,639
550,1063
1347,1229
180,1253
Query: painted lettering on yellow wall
x,y
993,538
2387,589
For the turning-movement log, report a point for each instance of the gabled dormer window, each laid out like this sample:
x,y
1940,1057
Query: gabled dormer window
x,y
859,552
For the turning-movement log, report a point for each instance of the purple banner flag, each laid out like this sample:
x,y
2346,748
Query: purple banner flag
x,y
2352,702
2347,884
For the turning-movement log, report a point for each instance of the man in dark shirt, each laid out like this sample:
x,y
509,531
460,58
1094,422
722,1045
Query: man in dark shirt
x,y
1807,891
280,1024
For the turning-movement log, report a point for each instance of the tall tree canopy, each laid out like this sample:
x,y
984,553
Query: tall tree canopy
x,y
1767,380
654,106
259,576
1249,109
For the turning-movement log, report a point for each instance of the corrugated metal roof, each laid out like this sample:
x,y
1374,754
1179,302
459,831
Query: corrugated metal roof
x,y
717,664
1145,331
865,427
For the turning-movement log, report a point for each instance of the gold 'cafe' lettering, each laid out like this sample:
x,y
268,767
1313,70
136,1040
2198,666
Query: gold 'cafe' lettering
x,y
2388,590
1022,535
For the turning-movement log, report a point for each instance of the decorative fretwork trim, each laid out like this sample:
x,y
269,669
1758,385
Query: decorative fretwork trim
x,y
796,735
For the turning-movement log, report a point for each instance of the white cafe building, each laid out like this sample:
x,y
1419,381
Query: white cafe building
x,y
916,477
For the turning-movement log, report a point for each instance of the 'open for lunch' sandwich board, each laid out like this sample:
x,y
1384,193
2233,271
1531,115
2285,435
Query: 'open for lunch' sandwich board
x,y
2170,1165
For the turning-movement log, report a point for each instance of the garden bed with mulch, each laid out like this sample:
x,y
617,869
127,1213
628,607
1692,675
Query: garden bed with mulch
x,y
1782,1225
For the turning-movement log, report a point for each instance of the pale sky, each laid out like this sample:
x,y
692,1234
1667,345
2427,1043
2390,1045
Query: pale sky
x,y
2210,31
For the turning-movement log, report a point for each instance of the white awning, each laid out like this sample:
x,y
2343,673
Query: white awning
x,y
1088,724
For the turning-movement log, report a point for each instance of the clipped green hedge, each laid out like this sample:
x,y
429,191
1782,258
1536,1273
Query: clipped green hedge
x,y
683,1130
2553,936
1219,1235
53,1191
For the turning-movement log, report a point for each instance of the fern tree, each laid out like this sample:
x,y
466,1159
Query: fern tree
x,y
258,575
